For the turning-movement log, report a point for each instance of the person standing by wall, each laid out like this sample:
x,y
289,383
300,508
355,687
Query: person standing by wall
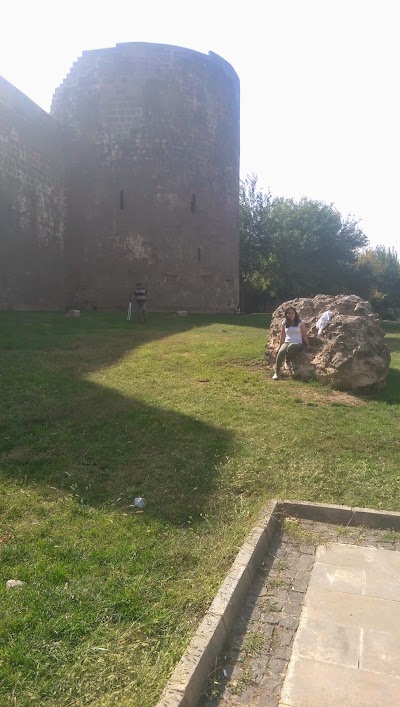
x,y
140,295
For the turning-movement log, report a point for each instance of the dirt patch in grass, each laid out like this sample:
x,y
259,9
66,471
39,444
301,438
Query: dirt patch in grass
x,y
253,364
327,397
308,394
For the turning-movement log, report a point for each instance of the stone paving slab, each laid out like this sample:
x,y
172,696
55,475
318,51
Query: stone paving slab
x,y
255,660
347,648
330,642
381,651
353,610
370,572
356,556
319,684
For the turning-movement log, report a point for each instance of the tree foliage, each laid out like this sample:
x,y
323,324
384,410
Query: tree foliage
x,y
254,237
292,249
378,279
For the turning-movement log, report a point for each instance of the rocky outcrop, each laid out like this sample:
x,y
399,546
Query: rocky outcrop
x,y
350,354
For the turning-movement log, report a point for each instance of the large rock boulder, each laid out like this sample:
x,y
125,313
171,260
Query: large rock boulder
x,y
350,354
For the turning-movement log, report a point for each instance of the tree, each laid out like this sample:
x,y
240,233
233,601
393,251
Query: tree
x,y
290,249
378,273
254,238
313,248
255,242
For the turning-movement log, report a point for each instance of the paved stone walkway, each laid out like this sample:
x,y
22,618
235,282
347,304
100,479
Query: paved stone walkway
x,y
347,647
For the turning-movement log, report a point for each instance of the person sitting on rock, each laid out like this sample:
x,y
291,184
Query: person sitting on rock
x,y
293,334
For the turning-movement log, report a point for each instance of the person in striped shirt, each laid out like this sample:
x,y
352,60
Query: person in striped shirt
x,y
140,295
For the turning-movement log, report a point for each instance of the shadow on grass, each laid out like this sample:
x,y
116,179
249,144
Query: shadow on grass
x,y
393,343
391,393
390,325
59,430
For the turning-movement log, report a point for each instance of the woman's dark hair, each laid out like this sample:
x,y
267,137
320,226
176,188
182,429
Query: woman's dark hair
x,y
296,320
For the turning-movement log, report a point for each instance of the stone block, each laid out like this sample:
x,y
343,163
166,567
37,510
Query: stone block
x,y
231,594
306,563
268,701
286,638
174,697
191,673
321,512
277,666
289,622
376,519
283,652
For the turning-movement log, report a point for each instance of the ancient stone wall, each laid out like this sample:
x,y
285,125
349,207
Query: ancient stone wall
x,y
153,177
32,205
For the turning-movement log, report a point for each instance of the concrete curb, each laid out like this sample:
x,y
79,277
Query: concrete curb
x,y
190,676
188,680
341,515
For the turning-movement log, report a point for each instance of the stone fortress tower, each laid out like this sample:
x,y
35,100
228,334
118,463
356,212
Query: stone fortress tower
x,y
150,142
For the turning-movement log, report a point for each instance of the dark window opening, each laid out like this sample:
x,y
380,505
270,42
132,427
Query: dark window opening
x,y
121,199
198,254
193,204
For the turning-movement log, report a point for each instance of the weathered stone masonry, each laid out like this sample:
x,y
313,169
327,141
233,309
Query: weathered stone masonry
x,y
150,141
32,205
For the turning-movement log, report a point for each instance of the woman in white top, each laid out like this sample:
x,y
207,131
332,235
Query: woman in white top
x,y
293,334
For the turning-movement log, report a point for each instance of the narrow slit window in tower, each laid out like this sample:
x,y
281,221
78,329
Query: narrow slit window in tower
x,y
193,204
121,199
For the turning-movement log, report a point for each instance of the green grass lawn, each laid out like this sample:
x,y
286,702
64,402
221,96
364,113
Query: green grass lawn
x,y
95,411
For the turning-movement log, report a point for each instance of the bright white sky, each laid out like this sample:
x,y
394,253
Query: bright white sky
x,y
320,115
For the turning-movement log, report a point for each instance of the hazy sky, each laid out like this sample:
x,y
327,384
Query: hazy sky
x,y
320,114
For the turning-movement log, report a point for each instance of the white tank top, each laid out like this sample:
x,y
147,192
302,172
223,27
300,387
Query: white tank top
x,y
293,334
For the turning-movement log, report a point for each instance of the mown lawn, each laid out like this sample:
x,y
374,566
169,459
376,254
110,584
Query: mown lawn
x,y
96,411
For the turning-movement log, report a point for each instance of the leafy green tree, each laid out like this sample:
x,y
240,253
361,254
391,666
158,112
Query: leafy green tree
x,y
290,249
254,238
378,273
314,248
255,243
